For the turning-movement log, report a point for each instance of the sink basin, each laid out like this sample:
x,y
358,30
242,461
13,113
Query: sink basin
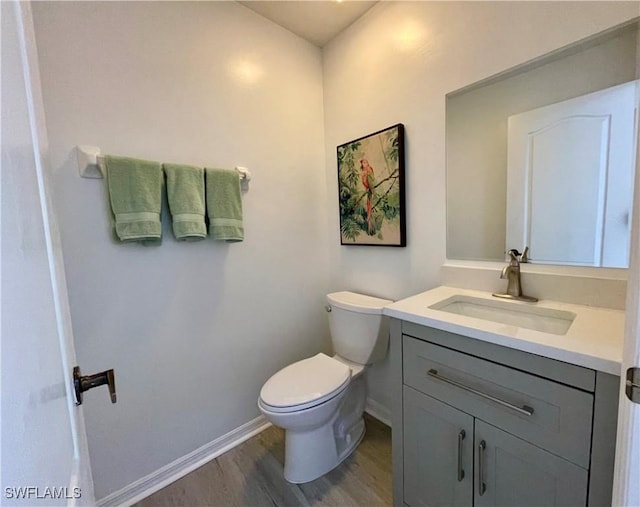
x,y
520,315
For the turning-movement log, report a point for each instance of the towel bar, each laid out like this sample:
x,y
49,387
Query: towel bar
x,y
91,164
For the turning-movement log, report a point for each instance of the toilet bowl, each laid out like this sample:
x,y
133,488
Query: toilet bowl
x,y
319,401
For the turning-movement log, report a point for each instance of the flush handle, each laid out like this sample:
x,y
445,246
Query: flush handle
x,y
82,383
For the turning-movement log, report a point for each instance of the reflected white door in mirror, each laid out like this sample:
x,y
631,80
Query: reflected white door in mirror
x,y
570,179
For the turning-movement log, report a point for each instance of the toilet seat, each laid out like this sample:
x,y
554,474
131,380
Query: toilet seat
x,y
304,406
305,384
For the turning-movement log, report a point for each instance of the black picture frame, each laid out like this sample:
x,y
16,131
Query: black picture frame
x,y
371,189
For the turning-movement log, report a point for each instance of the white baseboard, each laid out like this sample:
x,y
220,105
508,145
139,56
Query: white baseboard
x,y
164,476
379,411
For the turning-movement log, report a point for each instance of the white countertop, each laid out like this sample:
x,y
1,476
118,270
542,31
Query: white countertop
x,y
594,339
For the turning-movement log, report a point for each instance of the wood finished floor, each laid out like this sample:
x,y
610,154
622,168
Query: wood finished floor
x,y
251,475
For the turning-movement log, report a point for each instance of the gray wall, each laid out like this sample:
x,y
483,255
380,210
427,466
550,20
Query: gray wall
x,y
193,330
396,64
477,137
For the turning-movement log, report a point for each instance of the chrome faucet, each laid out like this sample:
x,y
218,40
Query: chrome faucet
x,y
512,273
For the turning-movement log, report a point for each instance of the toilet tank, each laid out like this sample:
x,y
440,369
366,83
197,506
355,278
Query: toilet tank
x,y
359,331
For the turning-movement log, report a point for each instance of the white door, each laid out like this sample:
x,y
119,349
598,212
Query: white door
x,y
44,448
570,178
626,483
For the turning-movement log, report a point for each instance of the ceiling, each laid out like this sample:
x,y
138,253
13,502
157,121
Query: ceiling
x,y
316,21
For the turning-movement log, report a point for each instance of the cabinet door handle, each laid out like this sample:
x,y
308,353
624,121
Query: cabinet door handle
x,y
482,487
461,436
525,410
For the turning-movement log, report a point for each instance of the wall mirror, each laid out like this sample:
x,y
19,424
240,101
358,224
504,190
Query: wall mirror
x,y
543,155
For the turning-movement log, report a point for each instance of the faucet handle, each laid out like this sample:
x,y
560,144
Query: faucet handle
x,y
514,254
520,257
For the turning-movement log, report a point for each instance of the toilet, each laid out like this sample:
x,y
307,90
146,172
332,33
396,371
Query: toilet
x,y
319,401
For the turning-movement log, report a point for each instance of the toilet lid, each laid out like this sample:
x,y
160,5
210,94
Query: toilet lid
x,y
312,379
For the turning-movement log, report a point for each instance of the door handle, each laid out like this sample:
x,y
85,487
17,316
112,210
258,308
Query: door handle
x,y
82,383
461,436
482,487
632,384
524,410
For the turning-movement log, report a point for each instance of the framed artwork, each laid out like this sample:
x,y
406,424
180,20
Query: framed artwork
x,y
371,189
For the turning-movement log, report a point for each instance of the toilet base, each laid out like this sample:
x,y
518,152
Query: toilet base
x,y
305,462
319,438
311,453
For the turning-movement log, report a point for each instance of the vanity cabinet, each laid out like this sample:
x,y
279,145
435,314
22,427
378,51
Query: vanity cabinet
x,y
478,424
438,457
453,459
511,471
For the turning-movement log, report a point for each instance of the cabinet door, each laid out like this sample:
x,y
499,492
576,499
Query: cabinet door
x,y
438,453
510,471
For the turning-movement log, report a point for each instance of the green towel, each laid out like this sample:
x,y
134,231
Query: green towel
x,y
224,205
185,192
135,191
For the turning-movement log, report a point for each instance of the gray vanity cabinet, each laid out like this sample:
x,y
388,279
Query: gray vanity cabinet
x,y
476,424
438,455
512,472
453,459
